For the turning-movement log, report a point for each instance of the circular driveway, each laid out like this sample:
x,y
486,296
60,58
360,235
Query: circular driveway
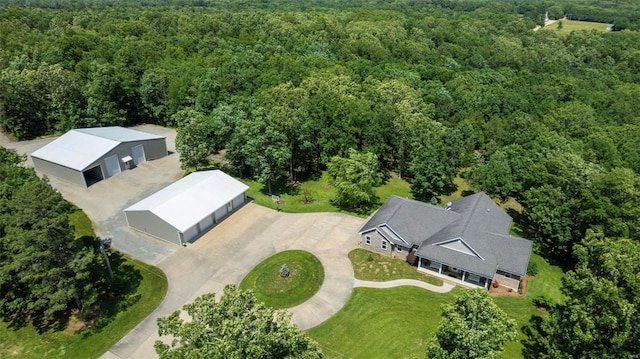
x,y
222,256
226,253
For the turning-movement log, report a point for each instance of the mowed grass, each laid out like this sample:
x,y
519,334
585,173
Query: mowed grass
x,y
547,283
316,195
573,25
306,275
94,341
382,323
362,328
376,267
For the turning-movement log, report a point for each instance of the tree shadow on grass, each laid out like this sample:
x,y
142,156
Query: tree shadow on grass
x,y
121,293
532,345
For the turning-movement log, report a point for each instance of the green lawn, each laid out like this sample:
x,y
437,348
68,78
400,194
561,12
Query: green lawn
x,y
306,275
573,25
149,286
377,267
362,328
321,194
382,323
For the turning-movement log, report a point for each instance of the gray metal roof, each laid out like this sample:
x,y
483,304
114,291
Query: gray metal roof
x,y
79,148
191,199
475,221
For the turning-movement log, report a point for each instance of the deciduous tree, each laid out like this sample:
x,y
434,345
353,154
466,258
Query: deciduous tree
x,y
355,178
472,327
600,316
236,327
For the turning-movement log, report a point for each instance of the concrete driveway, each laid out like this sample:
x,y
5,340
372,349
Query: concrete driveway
x,y
104,201
222,256
231,249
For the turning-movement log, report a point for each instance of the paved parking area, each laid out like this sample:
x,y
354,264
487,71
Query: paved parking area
x,y
224,255
105,201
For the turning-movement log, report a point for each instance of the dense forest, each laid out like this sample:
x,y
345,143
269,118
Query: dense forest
x,y
430,90
427,89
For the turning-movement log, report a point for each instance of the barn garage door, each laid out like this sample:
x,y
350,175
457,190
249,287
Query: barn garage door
x,y
220,213
237,202
113,165
206,223
190,234
138,154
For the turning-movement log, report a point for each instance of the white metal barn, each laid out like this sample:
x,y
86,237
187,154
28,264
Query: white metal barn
x,y
186,209
88,155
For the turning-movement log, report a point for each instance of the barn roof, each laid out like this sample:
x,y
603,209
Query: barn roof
x,y
79,148
189,200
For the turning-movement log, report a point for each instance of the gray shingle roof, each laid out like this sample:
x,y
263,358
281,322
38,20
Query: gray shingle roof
x,y
475,220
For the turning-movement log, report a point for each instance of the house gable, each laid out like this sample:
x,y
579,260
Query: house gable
x,y
458,244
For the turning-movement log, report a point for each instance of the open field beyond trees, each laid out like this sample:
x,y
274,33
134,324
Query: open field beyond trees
x,y
573,25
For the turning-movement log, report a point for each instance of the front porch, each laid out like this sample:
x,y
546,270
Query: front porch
x,y
453,274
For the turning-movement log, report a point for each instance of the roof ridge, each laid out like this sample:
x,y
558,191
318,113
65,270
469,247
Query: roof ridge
x,y
471,213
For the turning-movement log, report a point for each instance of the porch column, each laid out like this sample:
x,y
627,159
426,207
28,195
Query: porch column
x,y
440,269
486,283
463,274
419,262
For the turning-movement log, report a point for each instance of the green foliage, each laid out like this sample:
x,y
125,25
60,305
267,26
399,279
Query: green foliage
x,y
600,316
193,139
532,268
45,270
238,326
355,178
472,327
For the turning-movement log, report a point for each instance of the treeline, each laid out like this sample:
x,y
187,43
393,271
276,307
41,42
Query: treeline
x,y
45,272
429,91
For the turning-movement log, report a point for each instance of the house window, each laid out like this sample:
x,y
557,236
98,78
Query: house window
x,y
367,239
384,245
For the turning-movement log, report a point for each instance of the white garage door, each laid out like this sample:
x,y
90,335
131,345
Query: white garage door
x,y
206,223
113,165
220,213
237,202
138,154
190,234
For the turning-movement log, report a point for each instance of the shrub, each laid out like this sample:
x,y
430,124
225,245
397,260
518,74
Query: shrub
x,y
369,258
495,283
532,269
542,301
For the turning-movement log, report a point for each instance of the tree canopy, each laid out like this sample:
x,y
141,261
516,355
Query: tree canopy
x,y
44,270
236,327
471,327
600,316
429,88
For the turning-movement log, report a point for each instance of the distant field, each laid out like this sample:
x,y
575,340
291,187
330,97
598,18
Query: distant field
x,y
571,25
